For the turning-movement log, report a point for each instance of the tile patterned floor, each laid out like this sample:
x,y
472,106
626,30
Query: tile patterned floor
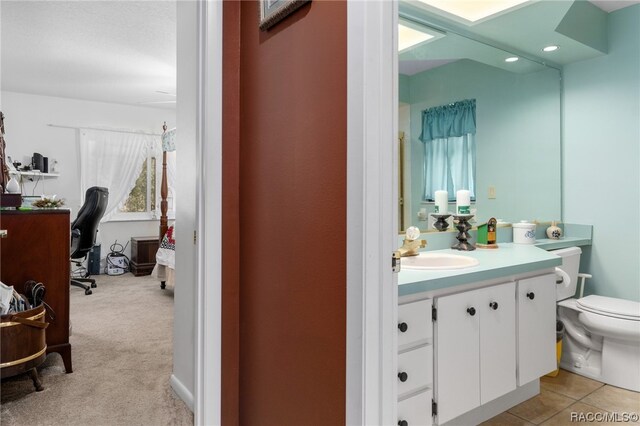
x,y
567,399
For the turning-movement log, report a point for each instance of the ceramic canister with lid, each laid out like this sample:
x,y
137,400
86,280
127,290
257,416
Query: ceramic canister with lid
x,y
524,232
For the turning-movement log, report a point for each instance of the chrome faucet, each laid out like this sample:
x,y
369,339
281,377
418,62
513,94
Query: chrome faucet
x,y
411,244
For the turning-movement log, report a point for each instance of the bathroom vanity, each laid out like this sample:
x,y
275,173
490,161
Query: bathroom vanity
x,y
474,342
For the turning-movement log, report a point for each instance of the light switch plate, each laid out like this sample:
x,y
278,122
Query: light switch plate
x,y
492,192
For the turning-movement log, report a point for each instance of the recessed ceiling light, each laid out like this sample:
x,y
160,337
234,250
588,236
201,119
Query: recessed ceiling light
x,y
511,59
550,48
473,10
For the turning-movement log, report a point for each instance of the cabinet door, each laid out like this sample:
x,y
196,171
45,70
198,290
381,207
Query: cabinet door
x,y
497,308
457,355
536,327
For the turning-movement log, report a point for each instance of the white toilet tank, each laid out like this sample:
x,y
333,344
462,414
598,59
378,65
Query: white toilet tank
x,y
570,264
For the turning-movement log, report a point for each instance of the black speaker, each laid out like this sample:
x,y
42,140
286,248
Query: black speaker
x,y
94,260
38,161
45,164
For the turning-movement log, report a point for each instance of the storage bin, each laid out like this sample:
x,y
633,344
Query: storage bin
x,y
559,337
23,342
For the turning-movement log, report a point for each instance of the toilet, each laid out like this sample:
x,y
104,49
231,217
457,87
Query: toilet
x,y
602,338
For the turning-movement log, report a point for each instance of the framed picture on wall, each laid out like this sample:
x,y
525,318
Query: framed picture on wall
x,y
274,11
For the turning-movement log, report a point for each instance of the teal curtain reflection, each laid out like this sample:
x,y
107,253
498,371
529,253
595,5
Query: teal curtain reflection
x,y
448,134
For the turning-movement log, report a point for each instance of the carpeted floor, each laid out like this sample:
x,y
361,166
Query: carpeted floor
x,y
122,361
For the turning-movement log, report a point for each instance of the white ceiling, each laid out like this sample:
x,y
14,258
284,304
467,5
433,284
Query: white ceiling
x,y
110,51
525,29
611,5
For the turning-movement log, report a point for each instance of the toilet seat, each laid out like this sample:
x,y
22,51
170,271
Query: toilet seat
x,y
610,307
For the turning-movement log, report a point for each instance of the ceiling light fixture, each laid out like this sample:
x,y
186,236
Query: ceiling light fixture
x,y
471,10
412,34
409,36
551,48
511,59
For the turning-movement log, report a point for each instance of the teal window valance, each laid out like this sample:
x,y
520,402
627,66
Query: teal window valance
x,y
453,120
449,138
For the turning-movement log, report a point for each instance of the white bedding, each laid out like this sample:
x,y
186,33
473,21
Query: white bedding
x,y
166,258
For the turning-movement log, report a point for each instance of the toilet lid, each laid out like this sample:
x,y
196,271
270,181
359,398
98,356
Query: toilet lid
x,y
610,306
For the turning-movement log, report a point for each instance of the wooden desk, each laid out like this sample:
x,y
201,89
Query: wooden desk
x,y
36,247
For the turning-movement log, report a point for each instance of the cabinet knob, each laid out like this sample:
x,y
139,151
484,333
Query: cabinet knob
x,y
494,305
403,327
403,423
471,311
531,295
403,376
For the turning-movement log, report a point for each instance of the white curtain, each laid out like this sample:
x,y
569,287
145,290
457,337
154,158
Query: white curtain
x,y
113,160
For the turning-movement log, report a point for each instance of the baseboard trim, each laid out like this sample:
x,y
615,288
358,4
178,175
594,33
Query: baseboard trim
x,y
182,391
497,406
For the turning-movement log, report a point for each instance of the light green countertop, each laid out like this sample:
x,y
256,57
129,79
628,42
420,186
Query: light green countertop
x,y
563,242
507,260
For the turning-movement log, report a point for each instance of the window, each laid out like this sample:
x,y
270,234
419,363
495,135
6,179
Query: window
x,y
129,164
448,134
142,198
143,202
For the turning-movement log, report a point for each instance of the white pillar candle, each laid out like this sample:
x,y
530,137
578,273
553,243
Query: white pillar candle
x,y
442,202
463,202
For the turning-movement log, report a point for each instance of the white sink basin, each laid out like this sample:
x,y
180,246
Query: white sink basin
x,y
428,260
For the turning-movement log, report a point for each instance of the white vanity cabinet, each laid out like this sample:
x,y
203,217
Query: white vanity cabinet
x,y
536,300
485,334
415,363
475,344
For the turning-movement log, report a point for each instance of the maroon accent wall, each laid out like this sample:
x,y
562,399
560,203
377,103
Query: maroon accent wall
x,y
230,214
292,216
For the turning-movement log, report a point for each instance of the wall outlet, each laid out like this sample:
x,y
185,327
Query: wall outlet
x,y
492,192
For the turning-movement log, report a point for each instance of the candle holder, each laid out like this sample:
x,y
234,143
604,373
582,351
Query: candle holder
x,y
462,224
441,223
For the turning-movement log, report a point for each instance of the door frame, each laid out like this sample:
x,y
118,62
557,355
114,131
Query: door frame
x,y
372,126
208,299
372,184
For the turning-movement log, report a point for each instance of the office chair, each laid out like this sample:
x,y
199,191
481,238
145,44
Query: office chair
x,y
84,230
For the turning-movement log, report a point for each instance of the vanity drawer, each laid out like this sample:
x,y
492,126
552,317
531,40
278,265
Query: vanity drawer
x,y
416,410
415,319
415,369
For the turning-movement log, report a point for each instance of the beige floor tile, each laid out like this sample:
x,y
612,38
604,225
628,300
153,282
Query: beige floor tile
x,y
542,407
577,414
614,399
570,384
506,419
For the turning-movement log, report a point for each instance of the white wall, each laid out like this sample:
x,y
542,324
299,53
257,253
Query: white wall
x,y
26,132
183,378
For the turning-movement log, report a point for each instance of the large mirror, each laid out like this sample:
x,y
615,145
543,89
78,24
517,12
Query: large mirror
x,y
517,133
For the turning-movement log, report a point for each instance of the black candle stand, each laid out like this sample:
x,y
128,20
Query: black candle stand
x,y
461,222
441,223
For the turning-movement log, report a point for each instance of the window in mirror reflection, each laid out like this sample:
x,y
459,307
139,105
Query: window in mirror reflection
x,y
449,138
